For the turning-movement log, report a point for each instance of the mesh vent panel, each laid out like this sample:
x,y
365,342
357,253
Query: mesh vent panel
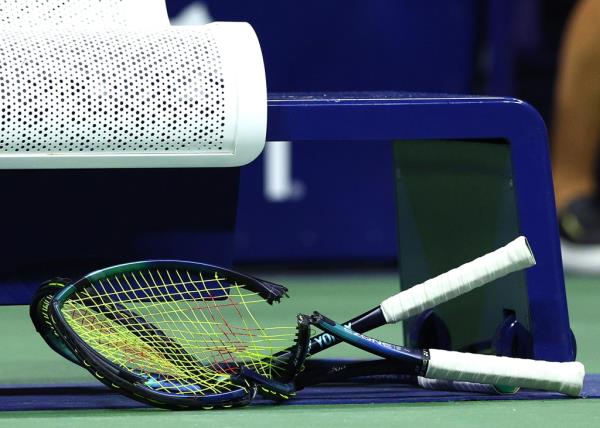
x,y
112,91
28,14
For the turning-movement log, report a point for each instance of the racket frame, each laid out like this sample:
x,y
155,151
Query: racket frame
x,y
39,312
133,385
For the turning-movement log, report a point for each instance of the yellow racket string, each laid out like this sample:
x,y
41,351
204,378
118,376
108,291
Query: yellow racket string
x,y
178,327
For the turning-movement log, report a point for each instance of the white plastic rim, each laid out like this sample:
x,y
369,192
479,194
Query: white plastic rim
x,y
244,67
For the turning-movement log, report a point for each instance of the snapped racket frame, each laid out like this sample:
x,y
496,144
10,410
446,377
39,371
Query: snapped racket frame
x,y
140,387
513,257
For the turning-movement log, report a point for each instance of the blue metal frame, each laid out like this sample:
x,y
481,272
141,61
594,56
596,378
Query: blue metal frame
x,y
387,117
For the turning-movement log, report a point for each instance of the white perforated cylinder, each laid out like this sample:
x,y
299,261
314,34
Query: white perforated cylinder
x,y
109,84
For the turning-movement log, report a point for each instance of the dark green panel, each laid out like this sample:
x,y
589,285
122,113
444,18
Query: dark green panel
x,y
456,202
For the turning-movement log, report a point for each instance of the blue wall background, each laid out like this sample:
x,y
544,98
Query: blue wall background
x,y
344,208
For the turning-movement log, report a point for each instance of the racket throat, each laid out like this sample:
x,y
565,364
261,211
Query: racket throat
x,y
368,321
284,387
411,361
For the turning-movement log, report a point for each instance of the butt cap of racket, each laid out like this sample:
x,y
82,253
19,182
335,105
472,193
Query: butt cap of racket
x,y
513,257
566,378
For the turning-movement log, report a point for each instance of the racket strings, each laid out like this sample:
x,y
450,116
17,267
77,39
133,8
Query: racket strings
x,y
180,328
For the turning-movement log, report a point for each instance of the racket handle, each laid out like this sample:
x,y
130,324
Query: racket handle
x,y
453,385
513,257
566,378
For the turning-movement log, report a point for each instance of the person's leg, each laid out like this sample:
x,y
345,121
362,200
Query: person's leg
x,y
576,124
576,140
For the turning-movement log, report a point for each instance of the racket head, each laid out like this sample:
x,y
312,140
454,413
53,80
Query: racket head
x,y
173,334
39,312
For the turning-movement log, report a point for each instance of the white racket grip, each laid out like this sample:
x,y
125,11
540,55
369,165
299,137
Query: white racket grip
x,y
566,378
511,258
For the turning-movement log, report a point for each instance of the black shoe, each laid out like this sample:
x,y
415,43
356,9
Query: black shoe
x,y
579,225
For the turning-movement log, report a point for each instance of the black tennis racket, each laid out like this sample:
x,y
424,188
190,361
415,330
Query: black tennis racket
x,y
566,378
39,312
315,371
377,371
185,335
